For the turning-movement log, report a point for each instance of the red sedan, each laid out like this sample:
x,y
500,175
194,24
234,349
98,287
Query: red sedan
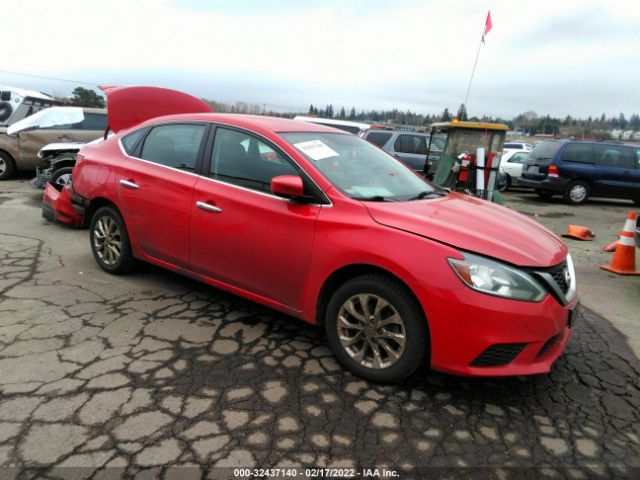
x,y
323,226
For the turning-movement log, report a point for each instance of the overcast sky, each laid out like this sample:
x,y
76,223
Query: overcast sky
x,y
551,56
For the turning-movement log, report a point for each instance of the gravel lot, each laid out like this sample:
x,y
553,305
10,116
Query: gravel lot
x,y
153,374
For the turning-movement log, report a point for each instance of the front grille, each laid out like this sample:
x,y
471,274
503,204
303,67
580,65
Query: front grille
x,y
557,273
547,345
498,354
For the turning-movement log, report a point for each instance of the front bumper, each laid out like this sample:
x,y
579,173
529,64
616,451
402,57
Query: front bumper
x,y
57,206
481,335
556,185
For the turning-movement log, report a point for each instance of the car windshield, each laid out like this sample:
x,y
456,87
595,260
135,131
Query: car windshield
x,y
359,169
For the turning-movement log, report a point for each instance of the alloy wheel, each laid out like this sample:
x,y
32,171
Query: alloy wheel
x,y
107,240
64,179
371,331
3,166
578,193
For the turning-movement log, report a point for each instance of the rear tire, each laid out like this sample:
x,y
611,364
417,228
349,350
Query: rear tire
x,y
576,193
377,329
7,166
110,241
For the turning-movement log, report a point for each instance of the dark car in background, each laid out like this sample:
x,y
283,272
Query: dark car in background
x,y
410,147
578,170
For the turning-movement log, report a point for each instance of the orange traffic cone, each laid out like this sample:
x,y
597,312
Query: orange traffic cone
x,y
624,260
579,233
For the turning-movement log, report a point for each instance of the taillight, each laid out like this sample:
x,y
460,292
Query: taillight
x,y
553,171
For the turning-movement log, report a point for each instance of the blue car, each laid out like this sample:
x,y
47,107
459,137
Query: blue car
x,y
578,170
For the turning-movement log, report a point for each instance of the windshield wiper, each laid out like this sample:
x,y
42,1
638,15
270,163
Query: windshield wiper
x,y
374,198
429,194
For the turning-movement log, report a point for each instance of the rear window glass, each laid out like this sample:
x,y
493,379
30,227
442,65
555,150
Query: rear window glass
x,y
411,144
614,156
517,146
173,146
379,138
94,121
578,152
545,150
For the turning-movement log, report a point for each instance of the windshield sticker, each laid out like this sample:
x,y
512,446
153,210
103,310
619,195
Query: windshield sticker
x,y
315,149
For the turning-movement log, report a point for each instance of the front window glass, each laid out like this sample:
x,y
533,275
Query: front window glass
x,y
242,159
358,169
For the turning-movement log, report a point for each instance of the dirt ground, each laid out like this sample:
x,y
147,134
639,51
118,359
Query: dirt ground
x,y
152,375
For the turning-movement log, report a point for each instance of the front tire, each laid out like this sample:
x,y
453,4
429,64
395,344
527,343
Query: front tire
x,y
7,166
576,193
110,241
376,328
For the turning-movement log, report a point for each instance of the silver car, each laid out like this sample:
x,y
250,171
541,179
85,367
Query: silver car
x,y
410,147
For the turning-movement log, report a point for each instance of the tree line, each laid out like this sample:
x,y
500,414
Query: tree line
x,y
527,122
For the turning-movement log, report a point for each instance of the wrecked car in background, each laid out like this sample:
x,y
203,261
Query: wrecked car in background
x,y
57,161
18,103
21,141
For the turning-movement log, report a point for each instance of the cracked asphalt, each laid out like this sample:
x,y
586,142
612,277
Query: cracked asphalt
x,y
154,375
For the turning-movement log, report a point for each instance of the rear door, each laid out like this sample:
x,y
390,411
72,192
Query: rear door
x,y
243,235
615,170
412,150
155,189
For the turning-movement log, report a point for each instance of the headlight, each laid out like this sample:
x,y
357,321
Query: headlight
x,y
494,278
572,279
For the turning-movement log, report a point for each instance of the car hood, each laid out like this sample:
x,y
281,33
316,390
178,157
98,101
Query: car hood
x,y
130,106
475,225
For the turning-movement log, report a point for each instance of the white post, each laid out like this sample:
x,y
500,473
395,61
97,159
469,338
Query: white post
x,y
480,169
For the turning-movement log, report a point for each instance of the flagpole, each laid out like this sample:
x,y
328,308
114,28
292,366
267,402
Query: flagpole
x,y
472,74
487,27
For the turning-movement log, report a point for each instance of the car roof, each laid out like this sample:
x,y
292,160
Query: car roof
x,y
257,122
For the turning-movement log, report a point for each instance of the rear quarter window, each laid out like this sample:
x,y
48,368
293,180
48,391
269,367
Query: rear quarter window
x,y
545,150
578,152
130,141
379,138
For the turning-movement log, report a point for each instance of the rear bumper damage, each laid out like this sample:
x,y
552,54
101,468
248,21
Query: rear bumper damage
x,y
57,206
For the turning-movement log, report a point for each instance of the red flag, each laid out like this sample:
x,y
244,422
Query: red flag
x,y
487,25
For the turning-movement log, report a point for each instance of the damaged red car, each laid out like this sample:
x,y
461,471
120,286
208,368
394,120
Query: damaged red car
x,y
323,226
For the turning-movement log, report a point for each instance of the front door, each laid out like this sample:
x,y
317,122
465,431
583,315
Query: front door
x,y
156,191
243,235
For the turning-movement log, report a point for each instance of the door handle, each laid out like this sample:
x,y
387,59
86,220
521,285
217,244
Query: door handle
x,y
126,183
208,207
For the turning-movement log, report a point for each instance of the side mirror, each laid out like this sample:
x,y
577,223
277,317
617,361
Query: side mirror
x,y
289,186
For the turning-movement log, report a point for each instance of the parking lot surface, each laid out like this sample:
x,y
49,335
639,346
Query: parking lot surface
x,y
152,374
